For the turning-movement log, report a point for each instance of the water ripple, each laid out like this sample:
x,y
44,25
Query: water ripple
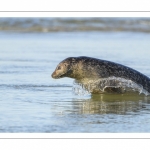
x,y
23,86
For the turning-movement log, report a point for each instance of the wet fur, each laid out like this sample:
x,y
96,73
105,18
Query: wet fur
x,y
87,68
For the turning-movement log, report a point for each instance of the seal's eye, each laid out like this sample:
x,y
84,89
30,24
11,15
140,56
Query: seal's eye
x,y
58,68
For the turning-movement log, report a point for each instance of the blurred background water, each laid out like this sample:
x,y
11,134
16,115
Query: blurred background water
x,y
31,101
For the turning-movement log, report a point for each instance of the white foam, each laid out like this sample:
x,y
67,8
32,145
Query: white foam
x,y
88,86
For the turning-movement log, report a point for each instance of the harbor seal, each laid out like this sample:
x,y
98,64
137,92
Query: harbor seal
x,y
115,76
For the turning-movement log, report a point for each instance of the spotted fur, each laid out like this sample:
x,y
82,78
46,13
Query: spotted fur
x,y
81,68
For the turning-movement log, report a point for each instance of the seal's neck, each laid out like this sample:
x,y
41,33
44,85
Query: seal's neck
x,y
76,71
81,71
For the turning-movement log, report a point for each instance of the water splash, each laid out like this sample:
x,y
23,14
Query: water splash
x,y
110,85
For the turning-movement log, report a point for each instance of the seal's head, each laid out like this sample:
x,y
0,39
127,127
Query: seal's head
x,y
78,68
65,68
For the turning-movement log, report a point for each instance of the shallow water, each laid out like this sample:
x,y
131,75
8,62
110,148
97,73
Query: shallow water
x,y
31,101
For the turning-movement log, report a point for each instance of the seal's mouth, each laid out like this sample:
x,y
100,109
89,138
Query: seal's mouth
x,y
55,76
